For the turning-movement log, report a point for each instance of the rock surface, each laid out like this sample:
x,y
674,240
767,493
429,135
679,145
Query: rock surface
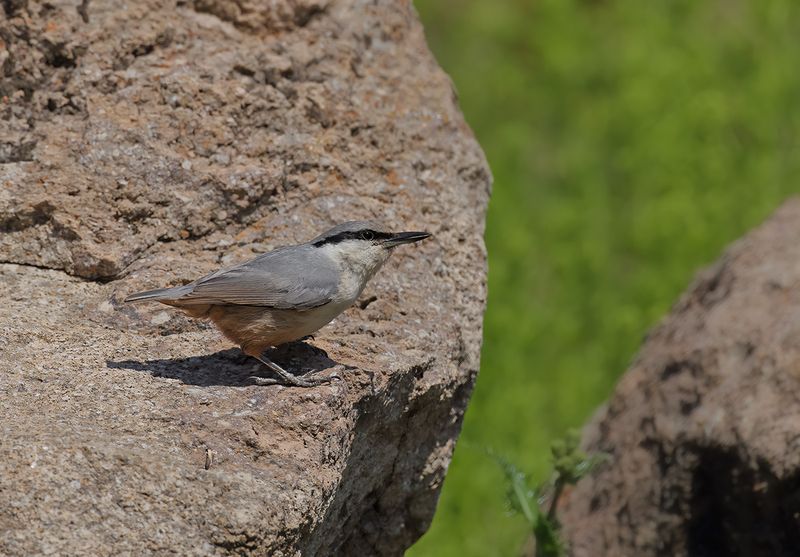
x,y
704,429
144,144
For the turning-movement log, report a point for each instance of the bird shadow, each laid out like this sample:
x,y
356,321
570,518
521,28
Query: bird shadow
x,y
232,367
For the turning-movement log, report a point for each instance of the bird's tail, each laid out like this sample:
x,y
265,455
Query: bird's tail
x,y
158,294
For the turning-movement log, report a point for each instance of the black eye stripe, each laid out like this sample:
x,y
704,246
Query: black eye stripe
x,y
354,235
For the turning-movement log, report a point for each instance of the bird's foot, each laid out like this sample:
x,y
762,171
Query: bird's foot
x,y
295,381
264,380
289,379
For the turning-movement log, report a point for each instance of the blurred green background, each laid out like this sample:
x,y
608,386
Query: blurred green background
x,y
630,141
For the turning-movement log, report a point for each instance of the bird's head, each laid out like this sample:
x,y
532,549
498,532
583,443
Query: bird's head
x,y
363,246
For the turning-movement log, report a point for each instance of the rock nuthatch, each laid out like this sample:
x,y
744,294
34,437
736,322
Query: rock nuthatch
x,y
288,293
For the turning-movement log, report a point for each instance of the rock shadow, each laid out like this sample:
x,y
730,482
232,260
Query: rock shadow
x,y
231,367
740,510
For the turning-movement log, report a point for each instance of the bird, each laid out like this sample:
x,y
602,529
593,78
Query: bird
x,y
289,293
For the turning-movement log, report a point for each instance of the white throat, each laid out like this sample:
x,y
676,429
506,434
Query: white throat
x,y
357,264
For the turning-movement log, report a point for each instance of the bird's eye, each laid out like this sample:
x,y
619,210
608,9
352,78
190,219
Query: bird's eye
x,y
367,235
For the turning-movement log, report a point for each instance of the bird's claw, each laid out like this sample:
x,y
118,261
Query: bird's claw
x,y
312,381
295,381
264,380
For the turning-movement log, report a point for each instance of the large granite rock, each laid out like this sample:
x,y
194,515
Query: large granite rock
x,y
146,143
704,429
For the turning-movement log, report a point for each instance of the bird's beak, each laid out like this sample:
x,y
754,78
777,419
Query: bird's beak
x,y
405,238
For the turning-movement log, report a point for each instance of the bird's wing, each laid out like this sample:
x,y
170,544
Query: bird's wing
x,y
298,277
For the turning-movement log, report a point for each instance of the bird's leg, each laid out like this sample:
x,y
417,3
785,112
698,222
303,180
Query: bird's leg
x,y
287,377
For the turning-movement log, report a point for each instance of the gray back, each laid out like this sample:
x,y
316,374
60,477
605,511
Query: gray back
x,y
295,277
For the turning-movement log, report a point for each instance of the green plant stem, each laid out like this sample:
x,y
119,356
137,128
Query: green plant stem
x,y
557,490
